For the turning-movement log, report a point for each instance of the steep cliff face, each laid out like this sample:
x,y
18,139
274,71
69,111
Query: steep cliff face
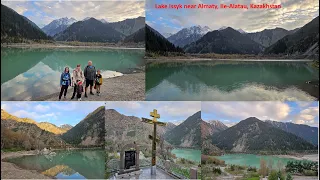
x,y
186,134
122,129
88,132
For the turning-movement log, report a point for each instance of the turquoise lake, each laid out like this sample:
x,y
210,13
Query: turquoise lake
x,y
231,81
190,154
253,160
75,164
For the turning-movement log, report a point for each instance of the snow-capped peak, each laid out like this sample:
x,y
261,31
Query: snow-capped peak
x,y
241,31
103,21
62,21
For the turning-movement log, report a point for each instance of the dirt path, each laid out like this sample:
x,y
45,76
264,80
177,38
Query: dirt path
x,y
129,87
11,171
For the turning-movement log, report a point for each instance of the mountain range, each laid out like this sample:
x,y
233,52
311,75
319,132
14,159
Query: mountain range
x,y
17,28
306,132
188,35
253,134
42,125
226,40
91,30
25,133
122,129
303,41
58,25
129,26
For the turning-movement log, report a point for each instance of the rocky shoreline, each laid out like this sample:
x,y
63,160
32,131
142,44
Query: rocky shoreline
x,y
11,171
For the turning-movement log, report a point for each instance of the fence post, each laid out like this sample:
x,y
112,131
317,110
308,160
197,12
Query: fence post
x,y
193,173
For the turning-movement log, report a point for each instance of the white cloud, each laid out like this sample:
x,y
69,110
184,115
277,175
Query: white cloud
x,y
45,11
41,108
293,14
241,110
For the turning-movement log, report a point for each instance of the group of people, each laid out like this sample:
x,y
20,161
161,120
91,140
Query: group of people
x,y
90,76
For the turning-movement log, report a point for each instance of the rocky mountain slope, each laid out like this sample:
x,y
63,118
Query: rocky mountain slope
x,y
91,30
268,37
186,134
303,42
58,25
42,125
188,35
252,134
138,36
17,28
89,131
306,132
208,128
15,134
129,26
226,41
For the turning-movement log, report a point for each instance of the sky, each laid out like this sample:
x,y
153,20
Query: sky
x,y
42,12
57,113
170,111
293,14
231,113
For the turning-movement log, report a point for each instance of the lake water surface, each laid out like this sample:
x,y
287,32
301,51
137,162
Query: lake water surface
x,y
231,80
31,73
190,154
254,160
76,164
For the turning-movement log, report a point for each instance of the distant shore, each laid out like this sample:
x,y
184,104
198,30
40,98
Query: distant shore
x,y
88,45
213,56
129,87
308,157
11,171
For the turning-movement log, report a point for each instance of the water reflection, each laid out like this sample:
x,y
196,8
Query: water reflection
x,y
231,81
83,164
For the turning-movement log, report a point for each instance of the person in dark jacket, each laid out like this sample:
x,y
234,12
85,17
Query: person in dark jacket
x,y
90,75
65,82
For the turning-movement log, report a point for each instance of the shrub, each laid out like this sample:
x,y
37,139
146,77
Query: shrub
x,y
252,169
273,175
289,177
216,171
309,173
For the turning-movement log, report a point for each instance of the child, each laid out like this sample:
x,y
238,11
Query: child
x,y
79,90
65,82
98,82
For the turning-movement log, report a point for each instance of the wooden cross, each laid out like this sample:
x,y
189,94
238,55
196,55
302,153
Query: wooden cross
x,y
154,138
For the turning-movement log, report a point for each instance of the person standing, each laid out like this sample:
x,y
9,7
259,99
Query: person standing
x,y
98,82
77,76
90,76
65,82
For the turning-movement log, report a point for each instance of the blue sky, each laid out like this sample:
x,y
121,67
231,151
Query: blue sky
x,y
293,14
175,111
42,12
231,113
57,113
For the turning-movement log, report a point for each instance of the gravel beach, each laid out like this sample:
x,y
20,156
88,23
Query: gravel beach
x,y
129,87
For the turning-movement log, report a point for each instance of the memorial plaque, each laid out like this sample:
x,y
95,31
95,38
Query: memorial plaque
x,y
130,159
